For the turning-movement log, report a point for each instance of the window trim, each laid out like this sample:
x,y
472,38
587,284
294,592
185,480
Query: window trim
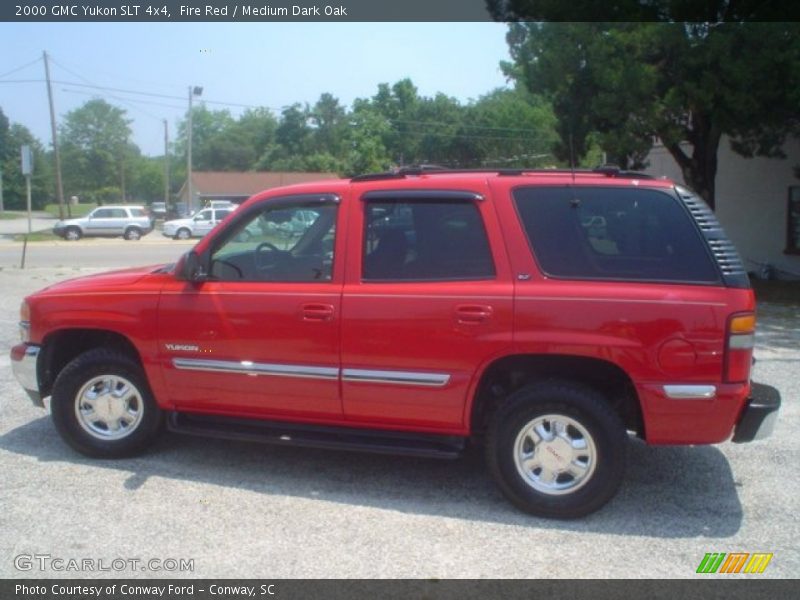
x,y
789,248
671,194
419,197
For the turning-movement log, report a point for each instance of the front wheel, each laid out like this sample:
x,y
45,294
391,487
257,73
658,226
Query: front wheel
x,y
183,234
102,405
72,234
556,449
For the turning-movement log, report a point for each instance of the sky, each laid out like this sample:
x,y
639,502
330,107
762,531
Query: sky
x,y
260,64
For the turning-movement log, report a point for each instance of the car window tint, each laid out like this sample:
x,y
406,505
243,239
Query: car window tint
x,y
613,233
137,212
425,240
102,213
279,243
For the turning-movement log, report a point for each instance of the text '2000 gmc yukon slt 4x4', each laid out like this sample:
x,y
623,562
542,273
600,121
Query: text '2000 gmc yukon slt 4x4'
x,y
545,315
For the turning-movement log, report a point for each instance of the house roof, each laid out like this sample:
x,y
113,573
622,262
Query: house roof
x,y
247,183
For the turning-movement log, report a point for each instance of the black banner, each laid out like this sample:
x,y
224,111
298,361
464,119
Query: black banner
x,y
396,10
750,587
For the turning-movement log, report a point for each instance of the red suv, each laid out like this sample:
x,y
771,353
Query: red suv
x,y
545,315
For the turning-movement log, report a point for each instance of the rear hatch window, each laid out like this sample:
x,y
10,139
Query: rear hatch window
x,y
614,233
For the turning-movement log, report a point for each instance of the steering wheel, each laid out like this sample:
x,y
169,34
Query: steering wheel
x,y
263,249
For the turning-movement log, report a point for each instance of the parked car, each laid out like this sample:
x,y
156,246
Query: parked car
x,y
544,316
197,225
131,222
158,210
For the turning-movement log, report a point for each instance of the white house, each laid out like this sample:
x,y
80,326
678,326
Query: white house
x,y
757,202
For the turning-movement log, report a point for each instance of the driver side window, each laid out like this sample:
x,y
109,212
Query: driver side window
x,y
279,243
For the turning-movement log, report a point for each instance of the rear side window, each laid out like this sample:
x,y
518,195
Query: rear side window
x,y
613,233
425,240
137,212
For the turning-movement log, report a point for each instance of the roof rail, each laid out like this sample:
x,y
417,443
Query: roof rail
x,y
416,170
616,171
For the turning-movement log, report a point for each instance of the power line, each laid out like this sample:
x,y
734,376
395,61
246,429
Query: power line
x,y
33,62
135,101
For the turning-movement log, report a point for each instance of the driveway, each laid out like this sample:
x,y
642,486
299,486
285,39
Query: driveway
x,y
240,510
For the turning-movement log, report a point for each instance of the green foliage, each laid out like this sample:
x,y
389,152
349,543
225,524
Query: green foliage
x,y
95,151
625,84
12,137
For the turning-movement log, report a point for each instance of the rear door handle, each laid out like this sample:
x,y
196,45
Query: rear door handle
x,y
473,313
317,312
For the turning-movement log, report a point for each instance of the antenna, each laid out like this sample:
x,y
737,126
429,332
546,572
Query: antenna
x,y
571,154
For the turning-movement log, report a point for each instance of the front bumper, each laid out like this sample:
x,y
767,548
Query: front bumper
x,y
24,358
759,415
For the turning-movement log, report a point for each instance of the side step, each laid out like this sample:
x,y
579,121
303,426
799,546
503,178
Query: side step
x,y
317,436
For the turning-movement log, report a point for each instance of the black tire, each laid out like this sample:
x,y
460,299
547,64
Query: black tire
x,y
73,234
600,471
133,233
183,234
87,367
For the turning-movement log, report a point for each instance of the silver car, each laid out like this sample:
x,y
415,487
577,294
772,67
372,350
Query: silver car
x,y
131,222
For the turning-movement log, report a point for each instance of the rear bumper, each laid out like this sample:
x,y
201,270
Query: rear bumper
x,y
23,364
759,415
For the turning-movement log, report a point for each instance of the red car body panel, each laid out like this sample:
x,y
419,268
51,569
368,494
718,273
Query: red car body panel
x,y
658,334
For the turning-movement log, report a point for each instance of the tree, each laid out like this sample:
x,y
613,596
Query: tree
x,y
629,83
12,137
96,149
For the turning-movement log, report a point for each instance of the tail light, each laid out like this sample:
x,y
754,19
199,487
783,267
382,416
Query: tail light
x,y
739,347
24,322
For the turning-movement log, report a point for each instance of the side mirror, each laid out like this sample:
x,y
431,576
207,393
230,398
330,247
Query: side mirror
x,y
190,268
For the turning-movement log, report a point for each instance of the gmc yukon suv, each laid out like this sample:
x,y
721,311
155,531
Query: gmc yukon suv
x,y
544,315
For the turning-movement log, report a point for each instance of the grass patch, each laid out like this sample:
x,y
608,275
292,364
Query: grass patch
x,y
37,236
778,292
7,216
77,210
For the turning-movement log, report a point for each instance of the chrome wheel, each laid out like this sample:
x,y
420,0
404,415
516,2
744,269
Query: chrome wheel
x,y
72,234
109,407
555,454
183,234
133,234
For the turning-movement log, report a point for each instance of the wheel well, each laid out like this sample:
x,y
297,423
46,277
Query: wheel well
x,y
510,373
60,347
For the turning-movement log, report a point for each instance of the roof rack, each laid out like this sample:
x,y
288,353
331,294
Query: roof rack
x,y
416,170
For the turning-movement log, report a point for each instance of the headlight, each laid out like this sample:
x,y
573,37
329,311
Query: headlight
x,y
24,322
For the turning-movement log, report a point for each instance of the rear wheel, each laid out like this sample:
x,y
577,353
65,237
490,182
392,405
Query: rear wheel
x,y
133,233
556,449
103,407
73,234
183,234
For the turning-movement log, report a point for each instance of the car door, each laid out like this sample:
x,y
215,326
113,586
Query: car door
x,y
99,222
427,301
261,336
203,222
118,221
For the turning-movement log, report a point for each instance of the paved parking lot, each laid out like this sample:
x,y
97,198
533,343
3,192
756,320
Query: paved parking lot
x,y
240,510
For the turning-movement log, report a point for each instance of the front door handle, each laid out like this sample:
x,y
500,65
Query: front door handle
x,y
473,313
317,312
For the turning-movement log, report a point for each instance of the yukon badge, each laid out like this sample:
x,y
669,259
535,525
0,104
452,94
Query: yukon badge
x,y
182,347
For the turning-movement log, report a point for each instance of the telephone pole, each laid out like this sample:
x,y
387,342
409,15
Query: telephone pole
x,y
59,183
193,91
166,166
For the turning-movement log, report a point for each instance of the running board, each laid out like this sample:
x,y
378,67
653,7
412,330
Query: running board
x,y
316,436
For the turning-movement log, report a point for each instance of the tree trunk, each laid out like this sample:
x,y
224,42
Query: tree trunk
x,y
700,169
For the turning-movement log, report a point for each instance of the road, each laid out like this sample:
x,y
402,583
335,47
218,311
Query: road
x,y
242,510
98,252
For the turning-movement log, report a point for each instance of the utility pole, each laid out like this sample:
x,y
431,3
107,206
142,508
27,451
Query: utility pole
x,y
2,208
166,166
26,167
193,91
59,183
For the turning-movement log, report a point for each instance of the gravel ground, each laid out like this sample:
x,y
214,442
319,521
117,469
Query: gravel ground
x,y
242,510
